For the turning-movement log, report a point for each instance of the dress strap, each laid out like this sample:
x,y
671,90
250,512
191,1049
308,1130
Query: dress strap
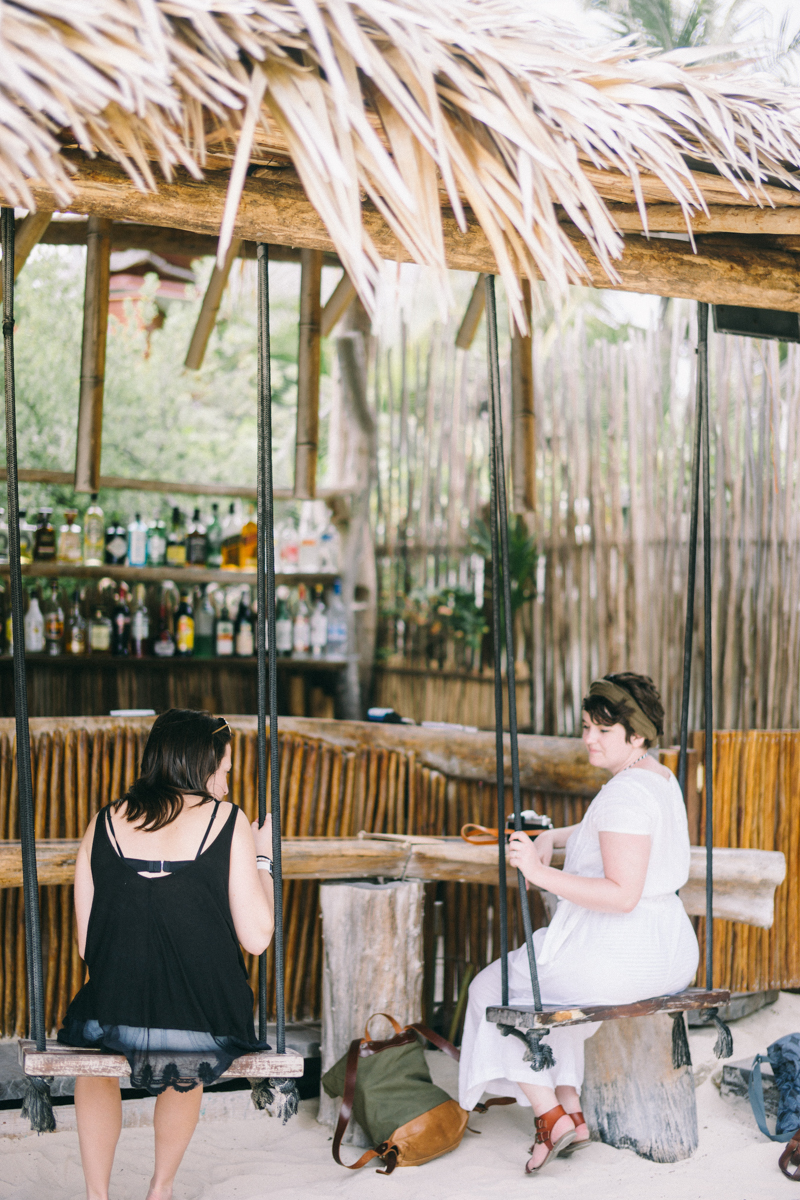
x,y
107,811
208,829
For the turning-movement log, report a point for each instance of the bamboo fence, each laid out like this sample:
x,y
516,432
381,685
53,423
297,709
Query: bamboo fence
x,y
614,436
328,791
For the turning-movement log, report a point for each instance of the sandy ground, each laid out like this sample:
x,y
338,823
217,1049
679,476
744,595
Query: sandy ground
x,y
245,1160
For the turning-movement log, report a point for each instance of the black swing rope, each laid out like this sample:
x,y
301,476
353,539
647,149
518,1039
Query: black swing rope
x,y
540,1056
36,1104
276,1095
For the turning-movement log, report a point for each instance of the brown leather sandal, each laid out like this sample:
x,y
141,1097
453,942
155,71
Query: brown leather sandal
x,y
578,1119
544,1127
791,1158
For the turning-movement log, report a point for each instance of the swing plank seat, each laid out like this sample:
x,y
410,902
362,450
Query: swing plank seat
x,y
525,1016
68,1060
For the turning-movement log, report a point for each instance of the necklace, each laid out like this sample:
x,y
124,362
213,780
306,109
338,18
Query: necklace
x,y
635,761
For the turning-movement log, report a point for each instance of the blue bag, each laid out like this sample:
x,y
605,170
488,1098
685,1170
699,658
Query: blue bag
x,y
784,1058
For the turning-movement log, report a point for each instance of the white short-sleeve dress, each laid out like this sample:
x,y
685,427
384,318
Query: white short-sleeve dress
x,y
587,957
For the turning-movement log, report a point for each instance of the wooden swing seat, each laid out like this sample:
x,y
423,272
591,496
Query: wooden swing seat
x,y
525,1016
69,1060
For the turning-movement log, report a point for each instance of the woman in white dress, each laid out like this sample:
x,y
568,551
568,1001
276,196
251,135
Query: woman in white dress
x,y
619,933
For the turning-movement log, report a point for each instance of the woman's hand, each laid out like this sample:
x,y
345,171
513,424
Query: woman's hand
x,y
523,856
263,836
544,844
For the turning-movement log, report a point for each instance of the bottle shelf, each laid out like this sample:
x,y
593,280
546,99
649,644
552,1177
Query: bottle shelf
x,y
73,662
178,575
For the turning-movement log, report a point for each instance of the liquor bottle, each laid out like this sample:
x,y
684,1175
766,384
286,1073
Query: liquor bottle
x,y
248,543
116,543
121,623
156,544
75,641
164,644
329,549
224,634
283,622
137,542
301,633
44,541
99,632
214,540
70,539
244,633
94,534
176,541
289,550
308,547
53,615
3,538
140,624
204,622
231,536
184,632
319,624
337,623
196,542
26,532
34,627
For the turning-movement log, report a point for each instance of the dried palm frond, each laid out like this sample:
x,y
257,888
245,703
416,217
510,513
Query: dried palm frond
x,y
401,102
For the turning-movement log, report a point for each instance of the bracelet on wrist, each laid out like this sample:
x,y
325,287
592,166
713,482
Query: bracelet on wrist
x,y
263,863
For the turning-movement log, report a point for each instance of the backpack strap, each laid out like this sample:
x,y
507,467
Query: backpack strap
x,y
346,1110
436,1040
755,1090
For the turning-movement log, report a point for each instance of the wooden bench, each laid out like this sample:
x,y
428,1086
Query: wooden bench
x,y
67,1060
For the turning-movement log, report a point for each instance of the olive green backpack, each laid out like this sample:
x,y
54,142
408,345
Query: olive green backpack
x,y
387,1087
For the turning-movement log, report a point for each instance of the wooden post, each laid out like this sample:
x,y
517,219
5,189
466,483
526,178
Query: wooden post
x,y
523,422
633,1098
207,317
28,233
373,963
93,356
305,454
472,317
337,304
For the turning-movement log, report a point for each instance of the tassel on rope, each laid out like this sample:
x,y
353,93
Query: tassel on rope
x,y
723,1046
37,1105
681,1054
276,1097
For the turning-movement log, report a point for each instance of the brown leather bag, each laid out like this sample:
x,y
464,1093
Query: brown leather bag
x,y
426,1136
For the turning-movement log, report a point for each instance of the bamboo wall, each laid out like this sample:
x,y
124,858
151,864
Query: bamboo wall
x,y
328,791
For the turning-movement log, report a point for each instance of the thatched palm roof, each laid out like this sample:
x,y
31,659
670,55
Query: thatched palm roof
x,y
406,102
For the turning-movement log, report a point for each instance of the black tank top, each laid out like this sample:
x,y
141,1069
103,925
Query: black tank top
x,y
162,952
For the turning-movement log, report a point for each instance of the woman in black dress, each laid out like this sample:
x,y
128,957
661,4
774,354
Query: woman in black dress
x,y
169,882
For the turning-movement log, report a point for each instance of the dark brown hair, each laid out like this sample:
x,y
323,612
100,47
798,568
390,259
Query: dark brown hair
x,y
184,749
645,693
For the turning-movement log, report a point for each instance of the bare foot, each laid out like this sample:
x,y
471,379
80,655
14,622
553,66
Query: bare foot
x,y
159,1191
540,1152
582,1133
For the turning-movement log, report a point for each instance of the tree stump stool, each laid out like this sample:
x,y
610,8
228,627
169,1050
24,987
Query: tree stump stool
x,y
373,962
633,1098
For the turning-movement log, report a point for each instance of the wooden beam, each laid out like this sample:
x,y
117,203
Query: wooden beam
x,y
207,317
720,218
472,317
122,482
308,363
726,270
523,420
27,234
337,304
93,356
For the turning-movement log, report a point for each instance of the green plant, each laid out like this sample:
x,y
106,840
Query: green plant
x,y
522,556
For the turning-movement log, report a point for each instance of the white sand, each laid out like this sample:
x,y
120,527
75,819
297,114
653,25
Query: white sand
x,y
245,1160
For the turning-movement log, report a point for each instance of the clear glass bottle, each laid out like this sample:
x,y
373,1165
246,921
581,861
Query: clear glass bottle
x,y
157,544
204,622
289,547
337,623
94,534
244,633
283,622
3,538
224,633
116,543
319,624
26,532
34,627
70,539
214,540
196,542
140,623
53,615
184,627
75,640
137,542
44,540
231,537
329,550
176,541
308,545
248,542
301,633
